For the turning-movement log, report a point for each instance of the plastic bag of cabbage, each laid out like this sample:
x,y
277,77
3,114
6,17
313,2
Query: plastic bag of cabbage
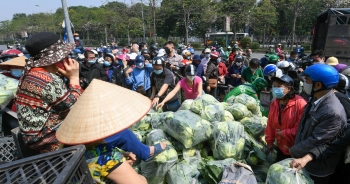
x,y
184,172
208,108
158,119
255,125
229,140
201,102
281,173
8,88
212,170
188,128
186,105
156,169
239,111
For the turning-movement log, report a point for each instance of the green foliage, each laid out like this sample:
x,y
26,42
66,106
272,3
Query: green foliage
x,y
245,42
307,47
123,42
161,41
254,45
197,45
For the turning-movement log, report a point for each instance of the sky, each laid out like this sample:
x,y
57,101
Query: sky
x,y
47,6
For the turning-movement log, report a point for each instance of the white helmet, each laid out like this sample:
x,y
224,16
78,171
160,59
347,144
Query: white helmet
x,y
283,64
95,52
161,52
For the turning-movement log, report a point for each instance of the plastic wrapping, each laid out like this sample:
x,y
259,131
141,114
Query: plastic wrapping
x,y
212,170
255,125
231,100
144,124
213,112
201,102
158,119
229,140
247,100
8,88
252,159
138,135
156,169
253,145
186,105
227,116
281,173
188,128
239,111
185,171
238,173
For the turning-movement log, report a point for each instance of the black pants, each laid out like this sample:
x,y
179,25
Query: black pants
x,y
342,172
281,156
321,180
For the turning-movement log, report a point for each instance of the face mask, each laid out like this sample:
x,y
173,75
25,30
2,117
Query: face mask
x,y
239,63
106,63
207,55
167,50
158,72
188,57
91,62
253,70
140,66
307,88
218,60
77,38
191,78
278,92
16,72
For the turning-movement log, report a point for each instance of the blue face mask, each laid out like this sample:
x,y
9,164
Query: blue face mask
x,y
207,55
120,63
92,61
106,63
218,60
278,92
158,72
16,72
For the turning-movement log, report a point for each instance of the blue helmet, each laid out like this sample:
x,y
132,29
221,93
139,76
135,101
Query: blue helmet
x,y
140,61
299,49
107,50
270,69
77,51
326,74
191,50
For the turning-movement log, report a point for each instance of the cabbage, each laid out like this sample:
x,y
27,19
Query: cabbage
x,y
225,104
155,170
188,128
212,170
247,100
186,105
201,102
143,125
8,88
158,119
252,159
138,135
254,125
239,111
281,172
227,116
231,100
212,112
182,173
228,140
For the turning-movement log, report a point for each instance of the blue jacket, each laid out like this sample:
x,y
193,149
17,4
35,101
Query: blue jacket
x,y
140,77
200,70
234,70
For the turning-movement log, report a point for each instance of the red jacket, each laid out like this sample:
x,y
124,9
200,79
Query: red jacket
x,y
290,118
222,69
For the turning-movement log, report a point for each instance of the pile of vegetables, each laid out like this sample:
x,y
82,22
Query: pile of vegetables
x,y
203,137
8,88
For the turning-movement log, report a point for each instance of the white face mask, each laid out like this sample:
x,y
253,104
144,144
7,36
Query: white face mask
x,y
239,63
307,88
191,78
77,38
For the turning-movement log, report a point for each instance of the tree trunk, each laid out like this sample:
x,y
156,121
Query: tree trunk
x,y
187,23
154,20
106,34
294,22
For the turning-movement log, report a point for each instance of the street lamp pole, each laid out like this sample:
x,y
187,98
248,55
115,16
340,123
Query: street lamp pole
x,y
67,22
143,23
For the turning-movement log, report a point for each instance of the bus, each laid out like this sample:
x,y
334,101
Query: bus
x,y
212,37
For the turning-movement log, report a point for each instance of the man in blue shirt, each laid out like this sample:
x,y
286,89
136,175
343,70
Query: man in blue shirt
x,y
139,77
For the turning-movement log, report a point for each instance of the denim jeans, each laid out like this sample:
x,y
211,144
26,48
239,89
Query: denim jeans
x,y
173,106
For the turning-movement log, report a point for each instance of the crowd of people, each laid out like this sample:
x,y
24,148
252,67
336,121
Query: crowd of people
x,y
307,116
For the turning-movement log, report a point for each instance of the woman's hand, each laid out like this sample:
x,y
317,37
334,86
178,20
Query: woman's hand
x,y
160,105
72,70
208,88
130,157
155,101
300,162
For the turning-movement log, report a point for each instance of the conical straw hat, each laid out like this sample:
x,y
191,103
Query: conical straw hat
x,y
17,61
104,109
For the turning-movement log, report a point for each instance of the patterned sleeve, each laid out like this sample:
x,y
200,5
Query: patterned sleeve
x,y
58,96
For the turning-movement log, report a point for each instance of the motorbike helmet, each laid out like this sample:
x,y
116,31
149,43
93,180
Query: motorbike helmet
x,y
325,74
25,52
190,70
273,59
285,78
214,55
145,51
285,66
107,50
271,70
153,47
109,55
343,83
158,61
140,61
10,53
78,51
259,84
180,50
191,50
161,53
186,54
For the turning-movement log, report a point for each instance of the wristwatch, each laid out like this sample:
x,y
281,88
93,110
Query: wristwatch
x,y
157,96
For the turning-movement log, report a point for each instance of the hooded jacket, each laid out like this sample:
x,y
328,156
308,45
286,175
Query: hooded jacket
x,y
118,77
95,71
288,124
140,77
